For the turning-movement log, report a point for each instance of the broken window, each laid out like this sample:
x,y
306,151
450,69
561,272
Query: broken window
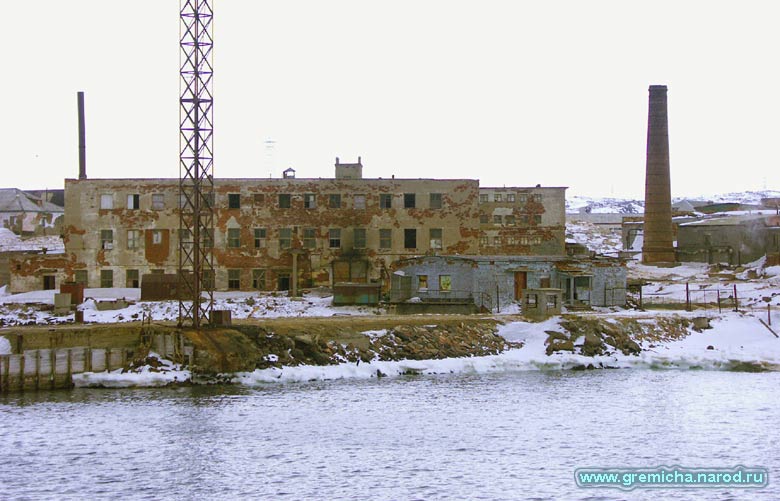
x,y
509,219
483,198
131,279
537,219
385,201
107,239
80,277
359,241
359,202
511,240
537,197
158,201
385,238
207,279
522,198
409,200
524,219
133,201
234,237
552,301
497,241
234,200
134,239
410,238
285,238
107,201
422,282
185,236
284,200
445,283
483,241
258,279
436,238
536,240
157,237
435,202
260,236
496,219
106,279
234,279
258,199
497,197
510,197
309,201
334,238
207,236
530,300
334,201
309,238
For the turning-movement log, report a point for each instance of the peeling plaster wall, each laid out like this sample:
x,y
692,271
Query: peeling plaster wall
x,y
259,201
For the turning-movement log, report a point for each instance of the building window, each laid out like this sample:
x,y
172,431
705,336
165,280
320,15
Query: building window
x,y
497,197
409,200
537,219
483,198
509,219
107,239
510,197
234,200
484,219
445,283
133,201
107,201
422,282
524,240
436,238
259,199
435,201
234,237
284,200
234,279
537,198
309,238
158,201
285,238
497,241
131,279
385,239
134,239
334,201
157,237
185,236
258,279
483,241
524,219
496,219
334,238
536,240
106,279
309,201
410,238
260,236
80,277
359,202
208,279
385,201
530,300
522,198
511,240
552,301
359,241
207,236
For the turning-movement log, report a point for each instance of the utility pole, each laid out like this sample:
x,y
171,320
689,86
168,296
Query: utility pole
x,y
196,181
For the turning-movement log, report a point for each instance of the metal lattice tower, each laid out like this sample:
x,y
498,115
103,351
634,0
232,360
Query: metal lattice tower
x,y
196,180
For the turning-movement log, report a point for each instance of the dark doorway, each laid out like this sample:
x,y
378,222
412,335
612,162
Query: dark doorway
x,y
283,281
48,282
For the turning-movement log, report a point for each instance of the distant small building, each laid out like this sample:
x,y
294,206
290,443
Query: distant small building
x,y
731,240
27,214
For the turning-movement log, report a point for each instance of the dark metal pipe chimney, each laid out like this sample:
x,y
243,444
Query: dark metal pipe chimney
x,y
82,139
657,246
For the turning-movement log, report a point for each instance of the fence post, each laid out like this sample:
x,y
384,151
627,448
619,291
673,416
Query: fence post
x,y
768,314
719,310
640,297
687,298
736,301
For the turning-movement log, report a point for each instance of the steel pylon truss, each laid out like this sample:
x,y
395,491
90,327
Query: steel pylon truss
x,y
196,181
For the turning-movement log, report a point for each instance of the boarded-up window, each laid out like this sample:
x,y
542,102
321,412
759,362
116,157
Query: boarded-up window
x,y
259,199
258,279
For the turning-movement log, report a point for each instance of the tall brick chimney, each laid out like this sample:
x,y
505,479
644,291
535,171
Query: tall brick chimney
x,y
657,245
82,137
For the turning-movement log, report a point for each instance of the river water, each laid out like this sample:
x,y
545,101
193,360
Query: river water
x,y
513,435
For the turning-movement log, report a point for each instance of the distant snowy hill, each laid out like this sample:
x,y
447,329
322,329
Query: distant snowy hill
x,y
596,205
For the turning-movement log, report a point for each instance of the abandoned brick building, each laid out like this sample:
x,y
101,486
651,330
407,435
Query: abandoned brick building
x,y
346,228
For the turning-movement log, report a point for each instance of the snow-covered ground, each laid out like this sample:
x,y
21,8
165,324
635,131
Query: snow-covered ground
x,y
162,373
10,242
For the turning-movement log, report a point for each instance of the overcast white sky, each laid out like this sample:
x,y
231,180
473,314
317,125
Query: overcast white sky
x,y
508,92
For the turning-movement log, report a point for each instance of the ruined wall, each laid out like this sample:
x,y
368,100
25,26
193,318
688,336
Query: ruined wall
x,y
522,221
294,214
27,270
733,244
